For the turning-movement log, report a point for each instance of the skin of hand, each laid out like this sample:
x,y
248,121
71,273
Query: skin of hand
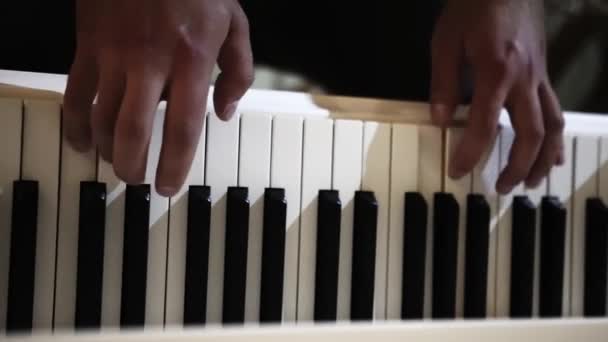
x,y
503,44
133,54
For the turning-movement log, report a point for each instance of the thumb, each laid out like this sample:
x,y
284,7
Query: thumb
x,y
445,77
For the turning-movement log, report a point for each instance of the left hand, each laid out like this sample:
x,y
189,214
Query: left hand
x,y
504,44
131,52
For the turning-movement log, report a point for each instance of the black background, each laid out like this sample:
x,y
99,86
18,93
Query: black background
x,y
371,48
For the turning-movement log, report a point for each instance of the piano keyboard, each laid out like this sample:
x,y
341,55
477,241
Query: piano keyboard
x,y
310,217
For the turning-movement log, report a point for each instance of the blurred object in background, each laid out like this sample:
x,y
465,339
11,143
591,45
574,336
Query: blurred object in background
x,y
573,6
371,49
267,77
577,33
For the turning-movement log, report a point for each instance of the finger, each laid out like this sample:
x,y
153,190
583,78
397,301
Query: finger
x,y
527,120
103,120
236,64
134,124
552,149
79,95
488,98
183,123
445,77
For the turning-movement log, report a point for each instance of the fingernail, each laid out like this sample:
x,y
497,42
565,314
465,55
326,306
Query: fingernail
x,y
229,111
166,191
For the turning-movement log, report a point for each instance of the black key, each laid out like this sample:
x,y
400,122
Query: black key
x,y
596,249
273,256
552,247
22,267
328,255
445,255
135,256
235,258
522,257
364,256
197,255
476,256
91,237
414,255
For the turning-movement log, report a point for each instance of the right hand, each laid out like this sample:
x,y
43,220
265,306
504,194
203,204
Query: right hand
x,y
504,43
131,53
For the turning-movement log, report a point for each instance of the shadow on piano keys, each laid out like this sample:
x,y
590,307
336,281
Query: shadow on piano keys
x,y
303,217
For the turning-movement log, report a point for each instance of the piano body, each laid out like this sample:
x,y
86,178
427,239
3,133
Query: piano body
x,y
304,217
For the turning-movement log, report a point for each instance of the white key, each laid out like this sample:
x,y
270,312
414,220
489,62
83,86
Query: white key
x,y
603,174
178,224
221,172
10,162
403,178
430,181
586,155
113,246
254,173
75,168
503,250
376,178
346,179
316,175
157,238
460,189
286,173
536,196
41,152
485,176
560,185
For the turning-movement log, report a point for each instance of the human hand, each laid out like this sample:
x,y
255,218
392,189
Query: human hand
x,y
503,42
134,53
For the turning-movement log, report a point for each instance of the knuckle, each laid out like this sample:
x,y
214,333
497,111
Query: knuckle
x,y
194,49
194,52
513,50
222,11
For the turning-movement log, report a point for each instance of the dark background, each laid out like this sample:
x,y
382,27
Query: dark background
x,y
349,47
372,48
